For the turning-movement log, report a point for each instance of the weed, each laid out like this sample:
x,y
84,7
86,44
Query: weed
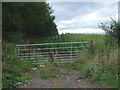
x,y
50,71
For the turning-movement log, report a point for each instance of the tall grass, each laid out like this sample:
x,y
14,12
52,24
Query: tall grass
x,y
101,67
14,69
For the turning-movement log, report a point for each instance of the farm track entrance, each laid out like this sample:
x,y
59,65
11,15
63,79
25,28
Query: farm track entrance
x,y
52,52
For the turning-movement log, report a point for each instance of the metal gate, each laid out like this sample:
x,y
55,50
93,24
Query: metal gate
x,y
50,52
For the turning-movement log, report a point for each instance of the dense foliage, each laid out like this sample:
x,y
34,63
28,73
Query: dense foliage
x,y
27,20
112,30
15,70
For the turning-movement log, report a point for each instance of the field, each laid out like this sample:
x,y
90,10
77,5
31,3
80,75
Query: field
x,y
100,65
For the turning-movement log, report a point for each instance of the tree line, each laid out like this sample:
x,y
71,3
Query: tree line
x,y
27,20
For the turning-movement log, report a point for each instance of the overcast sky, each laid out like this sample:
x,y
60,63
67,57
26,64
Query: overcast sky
x,y
83,17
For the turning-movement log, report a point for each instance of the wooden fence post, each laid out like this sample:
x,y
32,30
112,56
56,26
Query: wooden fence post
x,y
91,48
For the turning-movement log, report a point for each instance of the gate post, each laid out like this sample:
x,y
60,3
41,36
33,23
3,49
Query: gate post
x,y
71,51
34,53
52,53
91,48
18,51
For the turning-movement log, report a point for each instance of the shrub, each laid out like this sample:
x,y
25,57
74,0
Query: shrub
x,y
112,30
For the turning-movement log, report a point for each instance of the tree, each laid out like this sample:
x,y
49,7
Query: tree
x,y
28,19
112,30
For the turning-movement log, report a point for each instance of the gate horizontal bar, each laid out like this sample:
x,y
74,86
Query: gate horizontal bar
x,y
51,48
48,58
39,59
55,55
54,61
47,52
51,43
57,62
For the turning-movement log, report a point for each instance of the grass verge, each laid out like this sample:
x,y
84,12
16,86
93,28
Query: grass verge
x,y
49,70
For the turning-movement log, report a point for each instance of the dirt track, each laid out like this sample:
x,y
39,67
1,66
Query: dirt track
x,y
64,81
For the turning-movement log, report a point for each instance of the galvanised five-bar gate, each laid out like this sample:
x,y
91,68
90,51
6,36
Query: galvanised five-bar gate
x,y
52,52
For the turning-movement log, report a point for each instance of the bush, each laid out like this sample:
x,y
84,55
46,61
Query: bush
x,y
112,30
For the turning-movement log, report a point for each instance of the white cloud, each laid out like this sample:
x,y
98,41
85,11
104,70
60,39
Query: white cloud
x,y
83,17
61,26
83,30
